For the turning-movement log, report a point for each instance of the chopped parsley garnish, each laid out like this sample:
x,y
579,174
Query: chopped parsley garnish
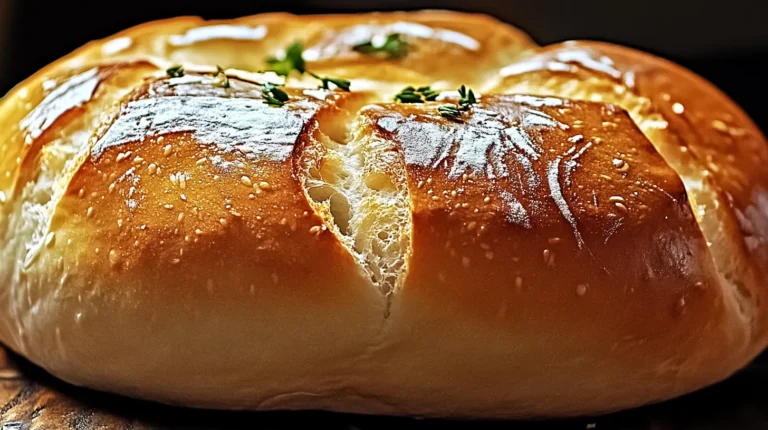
x,y
341,83
293,60
273,95
175,71
449,111
416,95
466,100
393,47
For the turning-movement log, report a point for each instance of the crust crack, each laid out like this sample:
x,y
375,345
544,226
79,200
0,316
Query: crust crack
x,y
356,182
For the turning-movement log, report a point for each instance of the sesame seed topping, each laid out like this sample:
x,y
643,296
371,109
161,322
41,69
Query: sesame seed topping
x,y
465,261
223,222
89,212
581,289
114,257
246,181
138,160
166,150
168,206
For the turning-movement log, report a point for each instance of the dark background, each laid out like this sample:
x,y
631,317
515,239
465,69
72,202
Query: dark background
x,y
725,41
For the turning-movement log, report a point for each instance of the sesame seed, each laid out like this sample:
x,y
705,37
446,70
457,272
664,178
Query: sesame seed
x,y
138,160
182,180
114,257
198,231
678,108
554,240
181,216
621,206
471,226
200,161
168,206
489,255
167,150
111,187
720,125
89,212
315,229
615,199
519,282
223,222
152,168
246,181
49,238
487,200
265,186
465,261
183,197
581,289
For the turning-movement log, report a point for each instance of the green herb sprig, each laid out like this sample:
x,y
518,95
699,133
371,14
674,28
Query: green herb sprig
x,y
293,60
466,100
340,83
416,95
176,71
449,111
393,47
273,95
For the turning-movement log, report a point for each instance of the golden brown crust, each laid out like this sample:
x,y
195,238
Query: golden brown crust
x,y
534,231
577,254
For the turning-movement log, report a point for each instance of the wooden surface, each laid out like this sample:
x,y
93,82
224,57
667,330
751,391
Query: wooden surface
x,y
31,399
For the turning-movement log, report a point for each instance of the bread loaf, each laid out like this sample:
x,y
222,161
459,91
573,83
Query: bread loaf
x,y
586,232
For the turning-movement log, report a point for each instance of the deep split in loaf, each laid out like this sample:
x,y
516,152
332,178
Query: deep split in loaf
x,y
589,235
